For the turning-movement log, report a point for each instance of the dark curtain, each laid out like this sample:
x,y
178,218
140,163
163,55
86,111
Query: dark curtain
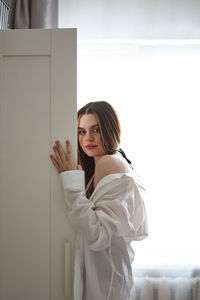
x,y
33,14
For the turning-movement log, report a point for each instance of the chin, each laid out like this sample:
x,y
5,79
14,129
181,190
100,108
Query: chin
x,y
89,154
93,153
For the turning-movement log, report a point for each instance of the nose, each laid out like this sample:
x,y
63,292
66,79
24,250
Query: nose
x,y
89,136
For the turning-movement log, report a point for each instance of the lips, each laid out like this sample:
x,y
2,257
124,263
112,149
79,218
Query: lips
x,y
90,147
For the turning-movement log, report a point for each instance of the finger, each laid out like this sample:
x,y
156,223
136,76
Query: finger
x,y
79,167
55,149
69,150
61,151
55,163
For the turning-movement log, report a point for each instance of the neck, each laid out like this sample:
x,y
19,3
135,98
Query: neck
x,y
96,158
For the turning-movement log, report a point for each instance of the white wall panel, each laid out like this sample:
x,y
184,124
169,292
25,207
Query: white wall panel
x,y
38,105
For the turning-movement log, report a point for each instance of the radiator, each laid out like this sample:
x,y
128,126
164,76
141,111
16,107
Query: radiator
x,y
4,11
166,288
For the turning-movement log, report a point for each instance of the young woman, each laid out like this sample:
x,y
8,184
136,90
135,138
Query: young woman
x,y
105,203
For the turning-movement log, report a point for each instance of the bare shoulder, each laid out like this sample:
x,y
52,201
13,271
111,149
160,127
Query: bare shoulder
x,y
110,164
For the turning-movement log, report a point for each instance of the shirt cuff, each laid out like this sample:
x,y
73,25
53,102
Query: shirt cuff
x,y
73,180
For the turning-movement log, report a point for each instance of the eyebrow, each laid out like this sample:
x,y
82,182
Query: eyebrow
x,y
96,125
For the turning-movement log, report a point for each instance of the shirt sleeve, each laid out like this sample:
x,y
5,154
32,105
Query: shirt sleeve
x,y
117,211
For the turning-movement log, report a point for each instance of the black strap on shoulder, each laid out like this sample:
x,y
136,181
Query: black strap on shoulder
x,y
124,155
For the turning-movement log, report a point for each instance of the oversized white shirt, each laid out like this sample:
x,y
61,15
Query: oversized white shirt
x,y
106,224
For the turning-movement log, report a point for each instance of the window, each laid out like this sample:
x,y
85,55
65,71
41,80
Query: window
x,y
154,86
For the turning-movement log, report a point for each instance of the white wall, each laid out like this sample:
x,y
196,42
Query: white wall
x,y
140,19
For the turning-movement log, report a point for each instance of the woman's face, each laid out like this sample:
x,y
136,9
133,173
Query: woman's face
x,y
89,136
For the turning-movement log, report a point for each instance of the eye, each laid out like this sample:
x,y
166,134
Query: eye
x,y
96,130
81,132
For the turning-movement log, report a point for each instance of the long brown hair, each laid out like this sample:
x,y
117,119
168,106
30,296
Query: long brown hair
x,y
110,131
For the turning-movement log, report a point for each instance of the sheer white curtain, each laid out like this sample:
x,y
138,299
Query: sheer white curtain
x,y
156,92
152,78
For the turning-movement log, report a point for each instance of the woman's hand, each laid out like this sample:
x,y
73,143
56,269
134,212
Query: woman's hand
x,y
61,161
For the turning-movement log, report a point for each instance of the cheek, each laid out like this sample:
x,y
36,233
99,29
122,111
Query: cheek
x,y
98,139
80,140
